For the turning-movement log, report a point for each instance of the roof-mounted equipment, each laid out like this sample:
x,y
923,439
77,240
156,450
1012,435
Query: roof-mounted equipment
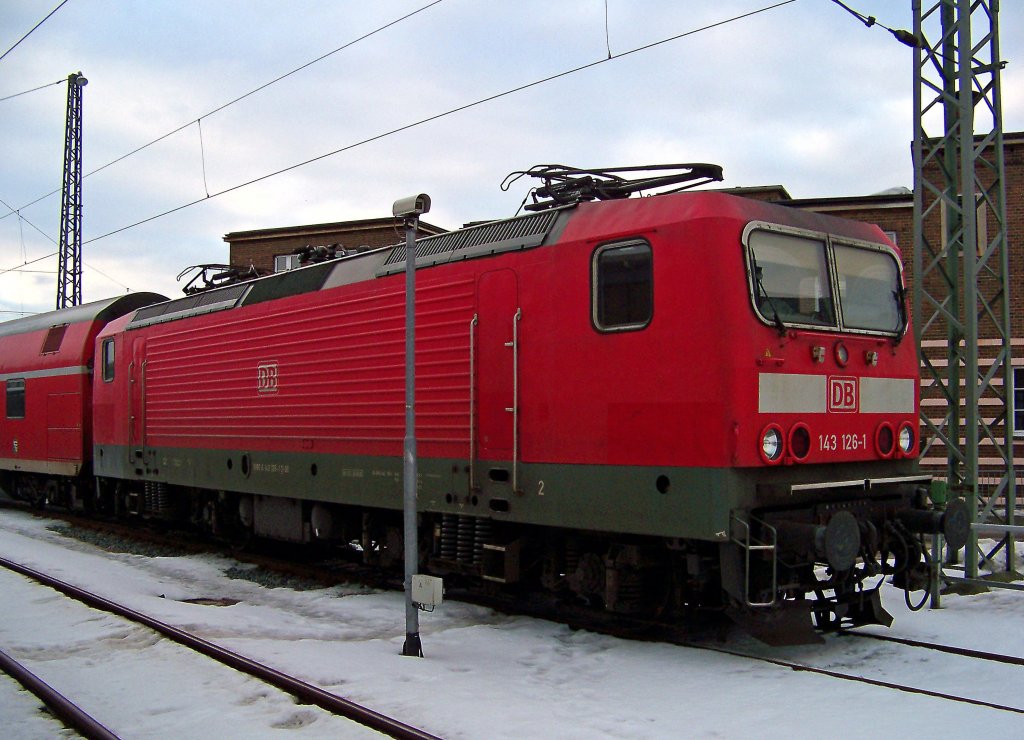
x,y
569,185
208,277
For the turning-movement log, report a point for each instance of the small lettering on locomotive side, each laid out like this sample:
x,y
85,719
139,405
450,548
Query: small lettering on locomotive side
x,y
272,468
842,394
266,377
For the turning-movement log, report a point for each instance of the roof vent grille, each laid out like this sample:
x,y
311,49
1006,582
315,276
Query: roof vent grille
x,y
490,238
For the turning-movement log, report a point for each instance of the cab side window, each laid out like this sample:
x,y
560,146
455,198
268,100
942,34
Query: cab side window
x,y
108,360
623,286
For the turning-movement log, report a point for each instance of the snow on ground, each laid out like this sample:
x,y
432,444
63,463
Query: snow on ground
x,y
485,675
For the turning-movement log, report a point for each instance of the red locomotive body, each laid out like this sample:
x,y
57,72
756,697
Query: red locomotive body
x,y
650,405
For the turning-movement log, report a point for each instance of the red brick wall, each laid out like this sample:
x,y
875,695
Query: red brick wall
x,y
258,248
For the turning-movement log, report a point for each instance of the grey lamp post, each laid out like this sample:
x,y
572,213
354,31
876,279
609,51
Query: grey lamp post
x,y
409,210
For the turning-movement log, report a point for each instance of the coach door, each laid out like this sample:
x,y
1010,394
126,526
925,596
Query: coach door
x,y
137,403
497,354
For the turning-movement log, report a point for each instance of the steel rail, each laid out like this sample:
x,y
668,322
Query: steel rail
x,y
304,692
860,679
951,649
67,711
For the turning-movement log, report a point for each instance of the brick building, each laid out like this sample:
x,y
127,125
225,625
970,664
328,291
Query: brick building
x,y
274,250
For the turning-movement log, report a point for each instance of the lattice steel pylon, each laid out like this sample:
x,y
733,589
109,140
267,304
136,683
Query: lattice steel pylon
x,y
961,260
69,255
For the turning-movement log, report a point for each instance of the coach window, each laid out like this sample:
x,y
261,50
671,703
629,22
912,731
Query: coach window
x,y
16,398
623,284
108,360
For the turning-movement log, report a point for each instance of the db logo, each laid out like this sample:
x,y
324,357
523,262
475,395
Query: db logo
x,y
842,394
266,377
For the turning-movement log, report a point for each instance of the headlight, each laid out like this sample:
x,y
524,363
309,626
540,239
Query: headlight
x,y
771,443
906,439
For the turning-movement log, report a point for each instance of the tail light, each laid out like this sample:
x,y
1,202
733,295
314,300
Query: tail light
x,y
799,442
885,440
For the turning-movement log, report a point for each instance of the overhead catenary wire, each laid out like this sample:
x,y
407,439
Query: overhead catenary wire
x,y
23,220
33,29
438,116
23,265
17,268
202,153
24,257
219,108
904,37
34,89
607,34
405,127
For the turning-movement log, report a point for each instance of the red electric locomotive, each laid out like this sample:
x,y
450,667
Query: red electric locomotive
x,y
650,405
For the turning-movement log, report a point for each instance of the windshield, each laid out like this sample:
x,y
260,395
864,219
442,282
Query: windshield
x,y
791,281
791,278
868,288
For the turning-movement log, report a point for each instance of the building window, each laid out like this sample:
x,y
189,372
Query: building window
x,y
16,398
285,262
623,283
980,222
1018,401
108,360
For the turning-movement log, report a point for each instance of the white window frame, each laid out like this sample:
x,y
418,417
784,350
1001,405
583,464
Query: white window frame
x,y
289,262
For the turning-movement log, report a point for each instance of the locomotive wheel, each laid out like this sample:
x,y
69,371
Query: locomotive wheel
x,y
588,580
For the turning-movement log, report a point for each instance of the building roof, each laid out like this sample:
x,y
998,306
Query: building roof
x,y
315,230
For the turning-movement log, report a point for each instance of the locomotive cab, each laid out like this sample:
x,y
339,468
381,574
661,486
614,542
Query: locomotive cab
x,y
837,490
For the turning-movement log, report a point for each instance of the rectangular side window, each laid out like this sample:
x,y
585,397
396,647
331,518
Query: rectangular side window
x,y
1018,402
16,398
285,262
623,284
108,360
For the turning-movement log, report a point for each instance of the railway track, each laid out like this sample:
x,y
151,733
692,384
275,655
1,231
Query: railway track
x,y
303,692
1005,660
872,664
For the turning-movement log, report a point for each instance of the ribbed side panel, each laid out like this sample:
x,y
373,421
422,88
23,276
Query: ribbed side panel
x,y
309,374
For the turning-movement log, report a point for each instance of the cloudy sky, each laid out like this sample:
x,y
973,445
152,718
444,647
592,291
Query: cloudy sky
x,y
802,95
